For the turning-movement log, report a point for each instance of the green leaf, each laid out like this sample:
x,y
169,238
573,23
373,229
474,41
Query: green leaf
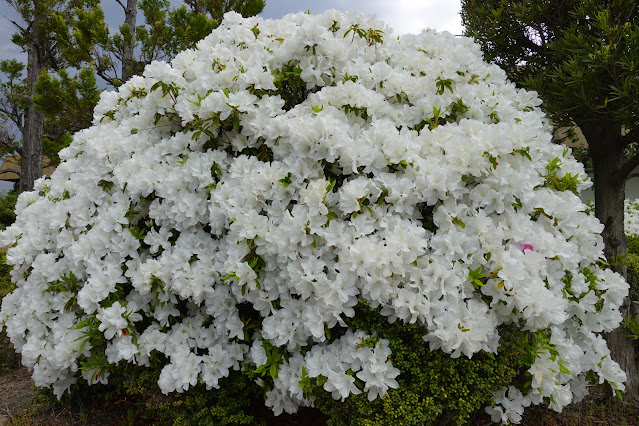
x,y
157,85
443,84
563,369
477,277
459,222
137,232
286,180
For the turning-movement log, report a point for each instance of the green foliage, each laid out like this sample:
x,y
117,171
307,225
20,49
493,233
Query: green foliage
x,y
6,286
238,400
13,99
7,208
273,360
8,358
235,402
581,56
632,263
39,34
67,105
477,277
567,182
433,387
632,325
633,244
371,36
290,85
165,33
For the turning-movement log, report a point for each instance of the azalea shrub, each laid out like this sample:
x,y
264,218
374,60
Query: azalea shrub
x,y
7,207
631,223
631,227
291,198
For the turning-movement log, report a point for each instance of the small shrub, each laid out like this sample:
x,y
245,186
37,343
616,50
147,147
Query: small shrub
x,y
633,244
632,263
7,208
433,387
8,357
238,401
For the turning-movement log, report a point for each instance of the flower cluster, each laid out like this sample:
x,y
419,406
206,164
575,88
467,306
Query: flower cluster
x,y
230,210
631,217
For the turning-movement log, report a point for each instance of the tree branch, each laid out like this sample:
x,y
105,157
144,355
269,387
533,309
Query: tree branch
x,y
631,136
624,172
111,80
10,171
53,136
8,140
120,3
20,28
12,147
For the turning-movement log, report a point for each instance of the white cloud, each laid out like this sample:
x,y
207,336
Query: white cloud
x,y
412,16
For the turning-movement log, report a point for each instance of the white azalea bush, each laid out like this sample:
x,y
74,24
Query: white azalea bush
x,y
631,228
631,218
277,200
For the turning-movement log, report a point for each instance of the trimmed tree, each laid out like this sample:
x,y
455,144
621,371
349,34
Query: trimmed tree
x,y
36,35
65,102
165,32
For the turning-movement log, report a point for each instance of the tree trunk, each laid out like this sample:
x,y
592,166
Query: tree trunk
x,y
199,8
31,161
130,16
607,149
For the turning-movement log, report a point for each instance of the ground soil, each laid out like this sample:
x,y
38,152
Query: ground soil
x,y
16,393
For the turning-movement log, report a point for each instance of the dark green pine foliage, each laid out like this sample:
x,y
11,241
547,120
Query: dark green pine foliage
x,y
38,35
64,99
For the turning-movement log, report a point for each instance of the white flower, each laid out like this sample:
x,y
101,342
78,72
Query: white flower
x,y
112,321
351,194
508,409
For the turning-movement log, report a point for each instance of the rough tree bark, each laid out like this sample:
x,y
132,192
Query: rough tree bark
x,y
199,7
31,162
607,149
130,17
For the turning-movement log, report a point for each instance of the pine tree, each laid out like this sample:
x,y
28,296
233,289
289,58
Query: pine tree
x,y
37,36
165,32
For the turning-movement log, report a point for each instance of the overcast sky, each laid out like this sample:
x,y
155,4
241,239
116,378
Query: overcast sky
x,y
404,16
